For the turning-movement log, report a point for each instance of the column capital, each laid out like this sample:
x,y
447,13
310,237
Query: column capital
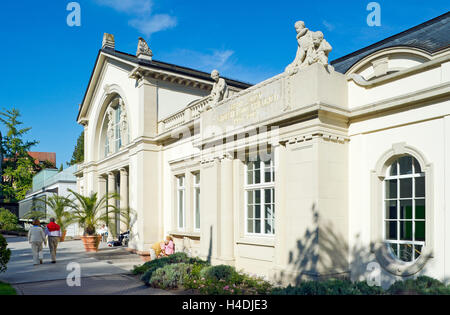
x,y
123,171
101,177
226,156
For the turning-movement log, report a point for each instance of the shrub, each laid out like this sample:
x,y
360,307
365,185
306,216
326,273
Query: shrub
x,y
5,254
220,272
161,262
150,267
422,285
223,280
170,276
329,287
8,220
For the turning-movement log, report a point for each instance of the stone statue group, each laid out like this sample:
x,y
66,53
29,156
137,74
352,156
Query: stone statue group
x,y
312,48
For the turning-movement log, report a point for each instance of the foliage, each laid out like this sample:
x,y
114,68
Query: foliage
x,y
5,254
90,211
220,272
18,178
59,209
127,217
422,285
329,287
78,152
35,215
170,276
150,267
7,289
224,281
160,262
18,166
8,220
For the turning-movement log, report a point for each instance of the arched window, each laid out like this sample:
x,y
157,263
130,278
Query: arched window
x,y
116,134
404,209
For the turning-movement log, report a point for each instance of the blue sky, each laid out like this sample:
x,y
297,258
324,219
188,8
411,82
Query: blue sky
x,y
45,64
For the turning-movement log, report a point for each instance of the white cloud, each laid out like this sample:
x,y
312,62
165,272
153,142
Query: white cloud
x,y
143,20
153,24
128,6
223,60
215,59
330,27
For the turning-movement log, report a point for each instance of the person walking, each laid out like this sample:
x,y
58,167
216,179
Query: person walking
x,y
36,237
53,232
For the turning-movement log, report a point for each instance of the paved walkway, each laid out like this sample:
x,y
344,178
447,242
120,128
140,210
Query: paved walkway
x,y
105,272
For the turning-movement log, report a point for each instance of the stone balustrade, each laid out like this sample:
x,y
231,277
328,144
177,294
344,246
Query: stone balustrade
x,y
191,112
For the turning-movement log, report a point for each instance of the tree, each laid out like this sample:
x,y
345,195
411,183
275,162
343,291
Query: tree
x,y
61,168
78,152
35,215
18,166
8,220
5,254
59,206
91,211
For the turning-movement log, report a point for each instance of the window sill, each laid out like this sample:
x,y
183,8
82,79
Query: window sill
x,y
185,233
257,241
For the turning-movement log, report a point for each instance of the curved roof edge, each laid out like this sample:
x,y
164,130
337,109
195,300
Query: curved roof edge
x,y
430,36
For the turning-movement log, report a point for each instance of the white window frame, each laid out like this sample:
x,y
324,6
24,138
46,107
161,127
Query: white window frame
x,y
262,186
196,187
413,176
181,189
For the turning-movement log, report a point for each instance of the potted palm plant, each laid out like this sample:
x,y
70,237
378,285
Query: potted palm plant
x,y
59,206
90,212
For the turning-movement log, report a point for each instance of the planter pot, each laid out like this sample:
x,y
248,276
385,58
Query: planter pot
x,y
63,236
91,242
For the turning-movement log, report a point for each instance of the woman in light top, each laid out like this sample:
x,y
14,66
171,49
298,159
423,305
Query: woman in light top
x,y
36,237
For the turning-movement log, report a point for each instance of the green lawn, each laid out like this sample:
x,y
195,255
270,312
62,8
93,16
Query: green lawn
x,y
6,289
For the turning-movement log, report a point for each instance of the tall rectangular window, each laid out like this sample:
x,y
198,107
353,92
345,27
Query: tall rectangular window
x,y
181,201
260,197
197,201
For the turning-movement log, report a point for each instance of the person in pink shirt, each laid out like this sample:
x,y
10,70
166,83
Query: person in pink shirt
x,y
169,247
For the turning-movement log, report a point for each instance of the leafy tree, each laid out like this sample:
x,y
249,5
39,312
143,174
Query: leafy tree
x,y
61,168
8,220
5,254
18,166
78,152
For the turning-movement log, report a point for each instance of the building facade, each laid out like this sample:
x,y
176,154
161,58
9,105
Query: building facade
x,y
326,170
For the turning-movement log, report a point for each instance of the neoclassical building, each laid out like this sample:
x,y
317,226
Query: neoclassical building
x,y
325,170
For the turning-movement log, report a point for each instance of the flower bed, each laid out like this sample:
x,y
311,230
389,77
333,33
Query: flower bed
x,y
178,271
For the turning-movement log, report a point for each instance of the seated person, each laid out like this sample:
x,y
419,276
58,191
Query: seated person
x,y
169,248
155,250
162,247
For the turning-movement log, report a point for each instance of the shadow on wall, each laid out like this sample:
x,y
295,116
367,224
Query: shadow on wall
x,y
322,253
208,258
